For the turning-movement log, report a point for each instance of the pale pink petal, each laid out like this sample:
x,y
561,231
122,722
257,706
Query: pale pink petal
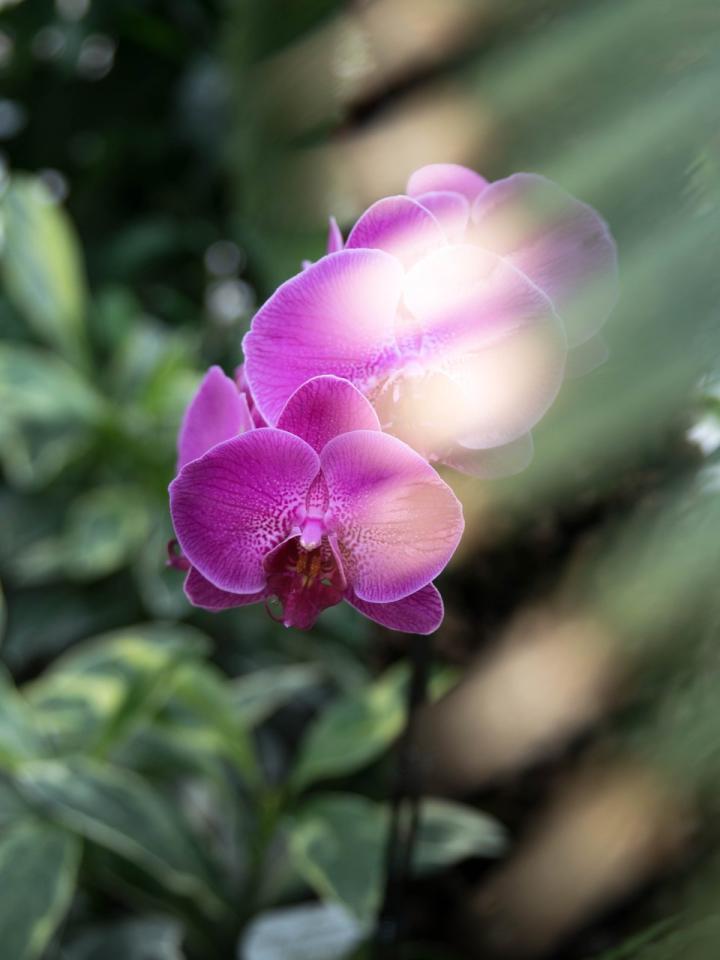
x,y
424,409
201,593
446,176
325,407
561,244
217,412
231,507
399,226
397,523
421,612
495,462
494,335
336,317
335,238
450,209
509,385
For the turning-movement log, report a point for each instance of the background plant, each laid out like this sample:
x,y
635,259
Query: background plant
x,y
167,776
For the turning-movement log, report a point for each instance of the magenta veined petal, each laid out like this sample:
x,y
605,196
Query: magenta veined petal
x,y
217,412
446,176
232,506
336,317
450,209
421,612
400,226
397,523
201,593
560,243
325,407
335,238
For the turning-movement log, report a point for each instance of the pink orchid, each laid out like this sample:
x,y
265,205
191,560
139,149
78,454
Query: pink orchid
x,y
452,309
322,508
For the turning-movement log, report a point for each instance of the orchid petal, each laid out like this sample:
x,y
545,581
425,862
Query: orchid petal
x,y
336,317
450,209
400,226
504,461
201,593
421,612
217,412
397,523
497,338
325,407
446,176
335,237
560,243
238,501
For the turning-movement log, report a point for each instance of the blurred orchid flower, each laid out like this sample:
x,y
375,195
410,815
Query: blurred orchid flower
x,y
323,508
452,308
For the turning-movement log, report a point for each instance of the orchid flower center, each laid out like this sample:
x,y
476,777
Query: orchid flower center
x,y
305,579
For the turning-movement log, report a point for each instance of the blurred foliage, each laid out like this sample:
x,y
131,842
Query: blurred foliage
x,y
181,782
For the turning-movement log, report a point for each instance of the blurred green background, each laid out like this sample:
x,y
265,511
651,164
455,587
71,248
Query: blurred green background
x,y
181,786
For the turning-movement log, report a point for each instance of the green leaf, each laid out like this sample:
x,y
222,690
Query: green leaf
x,y
354,730
209,718
38,868
119,810
19,739
450,832
151,938
3,613
259,694
48,412
105,527
336,844
42,266
310,931
38,386
95,696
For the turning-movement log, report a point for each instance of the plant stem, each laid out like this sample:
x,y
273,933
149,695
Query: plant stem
x,y
405,813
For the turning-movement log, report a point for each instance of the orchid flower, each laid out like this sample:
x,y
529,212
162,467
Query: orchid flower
x,y
323,507
451,308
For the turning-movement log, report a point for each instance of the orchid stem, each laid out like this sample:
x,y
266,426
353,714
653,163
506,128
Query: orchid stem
x,y
405,813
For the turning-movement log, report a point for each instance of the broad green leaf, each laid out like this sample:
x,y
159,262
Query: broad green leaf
x,y
39,387
151,938
450,832
159,585
38,868
105,527
310,931
336,844
119,810
3,612
12,806
258,694
19,739
354,730
99,692
33,454
42,266
49,411
204,696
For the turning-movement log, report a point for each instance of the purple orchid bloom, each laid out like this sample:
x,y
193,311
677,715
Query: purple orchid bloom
x,y
322,508
452,308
